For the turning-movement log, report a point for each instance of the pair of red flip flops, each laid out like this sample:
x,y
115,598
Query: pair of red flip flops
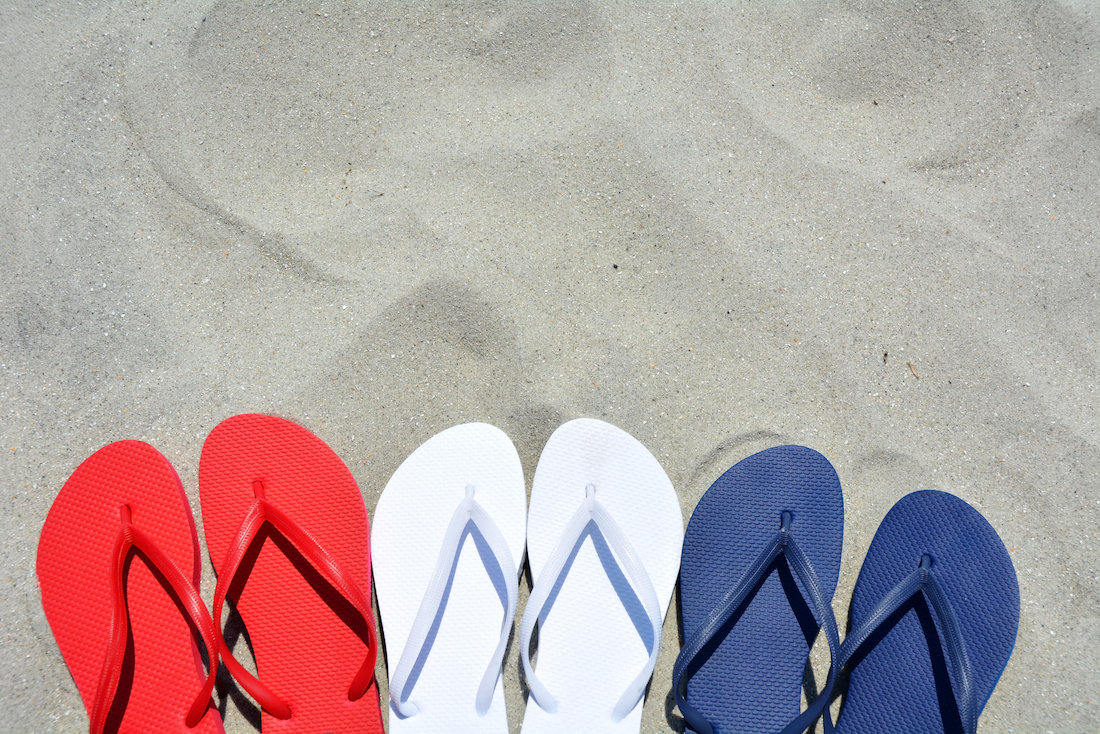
x,y
286,527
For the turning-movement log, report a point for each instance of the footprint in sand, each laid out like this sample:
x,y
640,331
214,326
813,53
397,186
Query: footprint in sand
x,y
307,126
883,90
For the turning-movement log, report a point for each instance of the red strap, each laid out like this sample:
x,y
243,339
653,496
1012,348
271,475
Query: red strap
x,y
131,536
260,512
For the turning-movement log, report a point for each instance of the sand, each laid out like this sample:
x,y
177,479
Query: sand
x,y
866,228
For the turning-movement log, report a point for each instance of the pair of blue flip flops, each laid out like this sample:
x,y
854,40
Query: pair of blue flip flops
x,y
933,615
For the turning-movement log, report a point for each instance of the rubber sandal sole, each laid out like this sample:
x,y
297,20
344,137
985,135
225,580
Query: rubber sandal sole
x,y
307,639
163,670
410,522
590,647
902,683
751,679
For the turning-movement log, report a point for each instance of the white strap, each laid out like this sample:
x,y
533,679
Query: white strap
x,y
591,510
468,510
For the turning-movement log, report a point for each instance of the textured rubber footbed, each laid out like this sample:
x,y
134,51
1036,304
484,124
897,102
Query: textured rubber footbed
x,y
751,681
594,637
308,641
410,522
162,671
903,683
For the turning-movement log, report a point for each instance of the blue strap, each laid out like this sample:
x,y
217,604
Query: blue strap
x,y
923,580
783,543
469,510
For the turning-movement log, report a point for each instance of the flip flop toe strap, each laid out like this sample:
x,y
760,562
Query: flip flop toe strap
x,y
260,512
783,543
131,536
923,579
467,511
592,511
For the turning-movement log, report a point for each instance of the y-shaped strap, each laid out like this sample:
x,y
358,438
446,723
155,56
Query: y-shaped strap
x,y
260,512
782,544
592,510
924,580
468,510
131,536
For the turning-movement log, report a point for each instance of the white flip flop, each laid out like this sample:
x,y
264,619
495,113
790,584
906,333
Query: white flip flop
x,y
603,539
447,546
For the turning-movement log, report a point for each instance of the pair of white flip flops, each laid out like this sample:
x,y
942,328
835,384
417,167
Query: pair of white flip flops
x,y
603,535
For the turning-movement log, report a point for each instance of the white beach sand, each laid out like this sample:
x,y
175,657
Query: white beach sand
x,y
866,228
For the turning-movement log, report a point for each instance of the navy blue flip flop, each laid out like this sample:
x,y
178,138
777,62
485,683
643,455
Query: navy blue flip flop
x,y
934,618
759,568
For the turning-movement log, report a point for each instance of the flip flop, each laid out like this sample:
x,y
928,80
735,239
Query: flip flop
x,y
934,618
118,566
760,565
447,543
287,532
603,539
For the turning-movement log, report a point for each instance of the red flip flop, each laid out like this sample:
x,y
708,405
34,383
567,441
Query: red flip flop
x,y
287,532
118,566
